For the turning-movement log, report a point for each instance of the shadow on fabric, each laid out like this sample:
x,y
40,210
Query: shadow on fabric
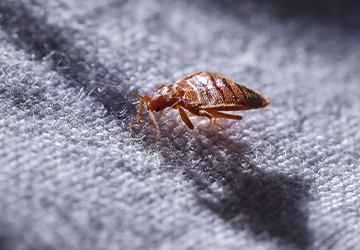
x,y
270,204
263,202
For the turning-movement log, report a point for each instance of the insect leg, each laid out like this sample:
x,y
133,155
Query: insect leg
x,y
217,114
185,118
217,124
174,106
196,112
157,125
139,115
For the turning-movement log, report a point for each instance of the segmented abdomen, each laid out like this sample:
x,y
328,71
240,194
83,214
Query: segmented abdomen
x,y
207,90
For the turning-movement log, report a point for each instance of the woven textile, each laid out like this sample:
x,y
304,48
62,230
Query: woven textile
x,y
72,176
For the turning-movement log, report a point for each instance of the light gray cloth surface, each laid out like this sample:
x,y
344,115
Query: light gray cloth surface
x,y
72,176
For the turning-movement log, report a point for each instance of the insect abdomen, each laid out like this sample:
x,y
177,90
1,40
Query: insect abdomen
x,y
207,90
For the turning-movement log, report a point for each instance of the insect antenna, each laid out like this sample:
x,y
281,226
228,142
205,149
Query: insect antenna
x,y
133,92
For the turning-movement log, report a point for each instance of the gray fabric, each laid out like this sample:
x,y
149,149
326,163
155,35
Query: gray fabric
x,y
73,176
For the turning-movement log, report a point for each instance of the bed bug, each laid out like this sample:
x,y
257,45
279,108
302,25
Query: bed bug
x,y
204,94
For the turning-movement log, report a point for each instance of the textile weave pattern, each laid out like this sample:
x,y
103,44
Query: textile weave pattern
x,y
72,176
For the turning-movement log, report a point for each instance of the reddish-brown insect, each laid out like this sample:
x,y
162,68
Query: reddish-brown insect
x,y
202,94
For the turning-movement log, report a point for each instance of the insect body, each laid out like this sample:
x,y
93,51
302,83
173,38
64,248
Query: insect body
x,y
201,94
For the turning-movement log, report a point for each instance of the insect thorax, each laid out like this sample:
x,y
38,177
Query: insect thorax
x,y
163,97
